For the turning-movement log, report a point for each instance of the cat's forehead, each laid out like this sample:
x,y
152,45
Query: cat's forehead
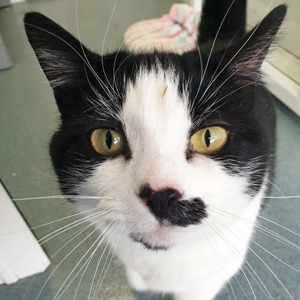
x,y
154,103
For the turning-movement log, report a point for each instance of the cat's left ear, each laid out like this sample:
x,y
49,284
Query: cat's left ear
x,y
246,57
62,57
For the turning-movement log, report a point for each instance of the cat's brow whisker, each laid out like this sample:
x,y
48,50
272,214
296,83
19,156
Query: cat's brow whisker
x,y
223,97
202,76
207,111
100,104
114,71
101,237
79,55
81,45
200,59
217,68
213,44
103,43
92,101
237,70
212,47
238,50
127,56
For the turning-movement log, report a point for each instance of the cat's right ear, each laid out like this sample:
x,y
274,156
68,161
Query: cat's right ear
x,y
61,56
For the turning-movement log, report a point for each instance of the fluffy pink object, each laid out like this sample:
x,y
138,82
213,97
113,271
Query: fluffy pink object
x,y
173,32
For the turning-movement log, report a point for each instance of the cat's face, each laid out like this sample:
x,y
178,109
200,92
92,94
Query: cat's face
x,y
163,144
157,126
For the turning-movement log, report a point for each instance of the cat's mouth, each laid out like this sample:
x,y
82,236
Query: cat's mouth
x,y
146,244
178,216
161,238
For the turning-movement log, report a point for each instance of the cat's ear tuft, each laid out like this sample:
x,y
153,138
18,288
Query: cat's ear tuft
x,y
246,58
60,54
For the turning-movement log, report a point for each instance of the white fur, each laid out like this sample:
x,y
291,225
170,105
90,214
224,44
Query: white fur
x,y
200,258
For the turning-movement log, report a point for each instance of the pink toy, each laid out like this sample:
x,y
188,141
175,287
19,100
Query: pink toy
x,y
173,32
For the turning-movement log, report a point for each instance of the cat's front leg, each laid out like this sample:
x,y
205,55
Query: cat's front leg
x,y
135,280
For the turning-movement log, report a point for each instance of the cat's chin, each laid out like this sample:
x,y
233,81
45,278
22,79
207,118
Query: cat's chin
x,y
162,238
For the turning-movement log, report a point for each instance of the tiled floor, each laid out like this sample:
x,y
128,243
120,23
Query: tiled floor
x,y
28,117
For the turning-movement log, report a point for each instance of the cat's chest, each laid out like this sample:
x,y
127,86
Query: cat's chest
x,y
181,268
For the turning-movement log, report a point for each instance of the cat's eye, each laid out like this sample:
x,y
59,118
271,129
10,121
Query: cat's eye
x,y
209,140
107,142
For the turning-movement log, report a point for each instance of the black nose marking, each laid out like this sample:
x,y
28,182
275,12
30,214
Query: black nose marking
x,y
160,202
145,191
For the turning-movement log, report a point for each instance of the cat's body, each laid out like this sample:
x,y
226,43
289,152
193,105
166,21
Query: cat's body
x,y
171,210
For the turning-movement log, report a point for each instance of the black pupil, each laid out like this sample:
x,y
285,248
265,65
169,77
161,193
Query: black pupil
x,y
108,139
207,137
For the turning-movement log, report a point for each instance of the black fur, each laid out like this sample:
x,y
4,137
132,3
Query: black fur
x,y
186,212
231,14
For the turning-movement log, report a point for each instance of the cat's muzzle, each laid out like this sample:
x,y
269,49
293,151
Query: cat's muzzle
x,y
169,208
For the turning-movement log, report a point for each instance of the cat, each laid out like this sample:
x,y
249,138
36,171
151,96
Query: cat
x,y
167,147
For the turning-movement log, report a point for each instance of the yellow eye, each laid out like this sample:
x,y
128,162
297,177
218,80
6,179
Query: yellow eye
x,y
209,140
107,142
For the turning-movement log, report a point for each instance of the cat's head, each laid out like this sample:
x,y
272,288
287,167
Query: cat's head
x,y
161,143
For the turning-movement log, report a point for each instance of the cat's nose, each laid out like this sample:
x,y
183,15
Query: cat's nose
x,y
160,201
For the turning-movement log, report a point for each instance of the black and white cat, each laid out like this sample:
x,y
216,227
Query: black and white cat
x,y
170,146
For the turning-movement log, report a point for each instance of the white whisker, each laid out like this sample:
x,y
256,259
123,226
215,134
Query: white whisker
x,y
255,276
101,237
51,222
112,251
103,43
212,47
238,50
51,274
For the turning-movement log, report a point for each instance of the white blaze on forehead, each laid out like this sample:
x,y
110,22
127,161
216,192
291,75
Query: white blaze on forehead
x,y
156,119
154,109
